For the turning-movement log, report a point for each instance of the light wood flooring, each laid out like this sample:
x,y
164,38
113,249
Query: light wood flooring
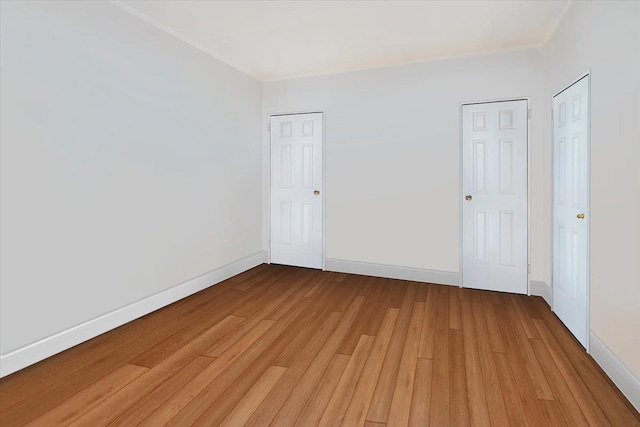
x,y
286,346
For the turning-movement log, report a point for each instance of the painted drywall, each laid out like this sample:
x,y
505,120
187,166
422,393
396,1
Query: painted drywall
x,y
392,154
131,162
604,37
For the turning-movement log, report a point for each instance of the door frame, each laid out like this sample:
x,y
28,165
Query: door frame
x,y
461,183
324,180
588,201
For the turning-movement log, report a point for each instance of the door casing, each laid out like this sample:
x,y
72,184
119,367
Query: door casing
x,y
461,186
324,178
588,202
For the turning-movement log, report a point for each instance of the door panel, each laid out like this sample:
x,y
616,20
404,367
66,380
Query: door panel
x,y
494,219
296,175
570,208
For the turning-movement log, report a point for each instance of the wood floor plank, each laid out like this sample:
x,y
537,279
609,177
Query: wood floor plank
x,y
497,343
58,392
224,392
458,394
84,364
259,314
292,351
341,398
317,403
589,406
562,394
403,390
173,343
376,299
478,412
141,410
492,389
243,410
421,293
291,409
398,291
429,355
518,364
184,396
496,297
422,391
111,408
359,405
515,301
77,405
264,292
261,269
615,406
257,280
512,400
381,401
553,413
427,337
440,410
380,310
454,308
268,409
538,379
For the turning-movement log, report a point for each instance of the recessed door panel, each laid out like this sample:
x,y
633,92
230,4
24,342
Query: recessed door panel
x,y
480,167
494,205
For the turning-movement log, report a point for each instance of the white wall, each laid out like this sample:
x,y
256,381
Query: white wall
x,y
131,162
605,37
392,154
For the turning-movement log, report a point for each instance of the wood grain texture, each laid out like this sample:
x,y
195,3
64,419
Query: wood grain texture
x,y
286,346
359,406
318,401
422,390
401,402
254,397
381,401
341,398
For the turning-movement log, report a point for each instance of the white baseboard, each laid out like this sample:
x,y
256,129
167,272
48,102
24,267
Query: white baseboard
x,y
392,271
628,384
32,353
541,289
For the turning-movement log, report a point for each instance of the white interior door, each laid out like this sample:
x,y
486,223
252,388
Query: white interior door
x,y
570,207
494,191
297,223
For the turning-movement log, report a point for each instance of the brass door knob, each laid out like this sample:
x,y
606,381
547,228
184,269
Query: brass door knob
x,y
316,192
468,197
580,216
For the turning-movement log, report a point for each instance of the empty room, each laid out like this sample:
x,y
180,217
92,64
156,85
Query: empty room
x,y
319,213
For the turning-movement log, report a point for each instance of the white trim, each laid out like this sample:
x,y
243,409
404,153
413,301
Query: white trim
x,y
541,289
392,271
622,377
461,184
37,351
324,181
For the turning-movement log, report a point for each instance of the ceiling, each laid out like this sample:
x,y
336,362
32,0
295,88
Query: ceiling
x,y
275,40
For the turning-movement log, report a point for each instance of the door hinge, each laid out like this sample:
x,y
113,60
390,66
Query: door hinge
x,y
269,127
529,113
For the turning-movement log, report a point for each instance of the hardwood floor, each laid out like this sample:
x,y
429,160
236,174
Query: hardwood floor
x,y
288,346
